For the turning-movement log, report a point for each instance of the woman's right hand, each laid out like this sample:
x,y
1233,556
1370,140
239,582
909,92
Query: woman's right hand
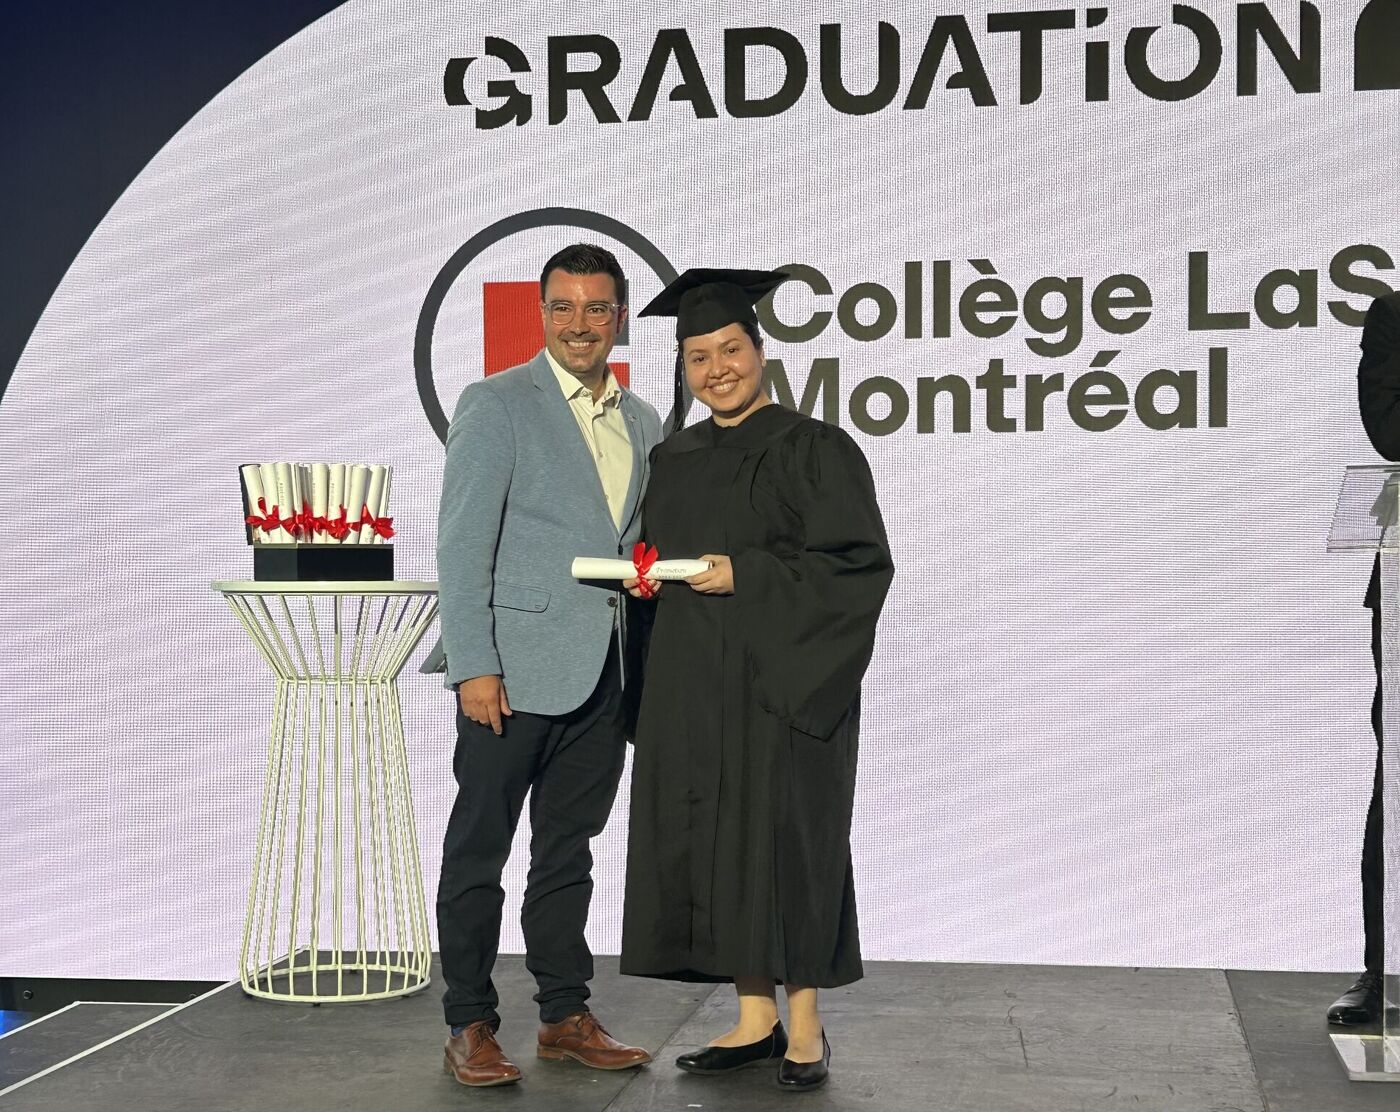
x,y
634,587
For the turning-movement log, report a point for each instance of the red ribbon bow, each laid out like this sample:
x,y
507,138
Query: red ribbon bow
x,y
307,524
338,527
303,522
268,520
382,526
642,559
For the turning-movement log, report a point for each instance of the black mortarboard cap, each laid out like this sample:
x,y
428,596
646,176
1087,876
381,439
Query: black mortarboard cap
x,y
705,299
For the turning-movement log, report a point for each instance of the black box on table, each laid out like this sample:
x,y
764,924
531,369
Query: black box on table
x,y
301,563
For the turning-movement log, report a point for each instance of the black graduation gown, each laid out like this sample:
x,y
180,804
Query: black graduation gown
x,y
739,858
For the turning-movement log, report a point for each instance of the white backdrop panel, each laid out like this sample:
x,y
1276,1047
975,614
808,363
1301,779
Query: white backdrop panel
x,y
1118,712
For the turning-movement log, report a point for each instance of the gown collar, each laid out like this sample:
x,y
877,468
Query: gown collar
x,y
758,429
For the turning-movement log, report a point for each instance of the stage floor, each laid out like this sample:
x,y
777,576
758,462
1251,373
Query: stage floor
x,y
952,1038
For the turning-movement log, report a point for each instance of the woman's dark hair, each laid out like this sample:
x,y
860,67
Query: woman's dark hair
x,y
750,329
587,258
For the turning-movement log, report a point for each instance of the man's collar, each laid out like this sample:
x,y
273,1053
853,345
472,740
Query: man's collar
x,y
612,392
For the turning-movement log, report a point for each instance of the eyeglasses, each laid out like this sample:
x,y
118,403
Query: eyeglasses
x,y
595,312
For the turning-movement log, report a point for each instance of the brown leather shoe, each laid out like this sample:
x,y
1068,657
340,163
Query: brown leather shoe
x,y
475,1057
582,1038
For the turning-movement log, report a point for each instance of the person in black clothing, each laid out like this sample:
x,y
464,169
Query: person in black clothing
x,y
743,781
1378,392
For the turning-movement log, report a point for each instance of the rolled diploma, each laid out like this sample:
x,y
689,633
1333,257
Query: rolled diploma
x,y
269,481
383,510
252,491
320,490
335,496
589,567
301,489
286,495
358,481
372,497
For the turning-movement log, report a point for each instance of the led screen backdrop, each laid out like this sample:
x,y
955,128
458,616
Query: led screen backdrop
x,y
1084,282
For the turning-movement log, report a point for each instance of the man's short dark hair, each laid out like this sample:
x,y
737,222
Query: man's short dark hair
x,y
587,258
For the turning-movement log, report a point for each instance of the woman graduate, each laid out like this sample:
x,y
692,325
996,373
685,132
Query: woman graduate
x,y
739,859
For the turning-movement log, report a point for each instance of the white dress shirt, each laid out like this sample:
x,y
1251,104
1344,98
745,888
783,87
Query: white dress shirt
x,y
604,431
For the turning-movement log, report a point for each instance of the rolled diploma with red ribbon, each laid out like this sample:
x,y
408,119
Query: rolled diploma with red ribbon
x,y
287,507
374,493
301,505
279,500
357,486
335,500
588,567
268,474
320,495
383,521
253,489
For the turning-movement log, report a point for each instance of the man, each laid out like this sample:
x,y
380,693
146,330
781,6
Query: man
x,y
545,462
1378,391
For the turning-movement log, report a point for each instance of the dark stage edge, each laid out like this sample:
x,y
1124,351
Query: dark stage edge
x,y
960,1038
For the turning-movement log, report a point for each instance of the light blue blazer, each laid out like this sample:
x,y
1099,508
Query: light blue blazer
x,y
521,498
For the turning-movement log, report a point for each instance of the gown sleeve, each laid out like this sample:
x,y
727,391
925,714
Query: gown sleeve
x,y
809,611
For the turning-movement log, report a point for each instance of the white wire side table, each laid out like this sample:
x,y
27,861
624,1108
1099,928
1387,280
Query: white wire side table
x,y
335,908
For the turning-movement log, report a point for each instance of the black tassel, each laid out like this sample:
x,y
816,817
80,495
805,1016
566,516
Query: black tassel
x,y
676,420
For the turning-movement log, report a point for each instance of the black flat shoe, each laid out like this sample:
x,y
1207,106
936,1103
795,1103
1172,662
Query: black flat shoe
x,y
798,1077
1359,1004
722,1059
